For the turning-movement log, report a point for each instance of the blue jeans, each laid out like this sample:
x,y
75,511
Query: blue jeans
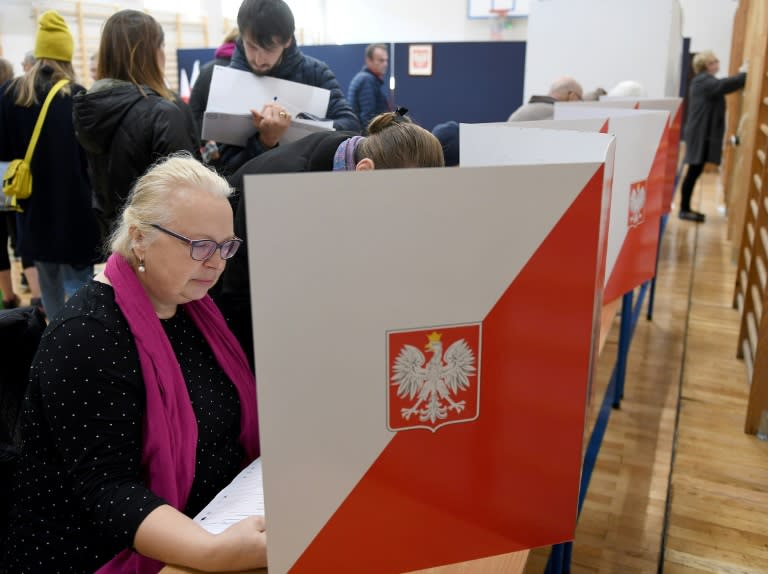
x,y
59,281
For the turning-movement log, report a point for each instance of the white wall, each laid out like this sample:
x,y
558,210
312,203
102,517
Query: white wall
x,y
707,22
709,25
363,21
603,42
17,30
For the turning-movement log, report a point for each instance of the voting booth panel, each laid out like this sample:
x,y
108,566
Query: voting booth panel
x,y
635,180
404,332
670,146
639,174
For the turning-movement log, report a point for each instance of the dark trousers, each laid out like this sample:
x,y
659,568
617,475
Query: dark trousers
x,y
694,171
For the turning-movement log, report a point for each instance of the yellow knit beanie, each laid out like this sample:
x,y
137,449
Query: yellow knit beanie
x,y
53,41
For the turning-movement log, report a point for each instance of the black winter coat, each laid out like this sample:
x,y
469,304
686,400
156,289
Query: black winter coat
x,y
705,123
312,153
124,132
58,225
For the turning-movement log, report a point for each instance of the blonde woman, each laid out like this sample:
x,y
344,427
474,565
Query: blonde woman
x,y
141,405
57,229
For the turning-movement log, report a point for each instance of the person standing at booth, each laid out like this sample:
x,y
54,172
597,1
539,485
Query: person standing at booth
x,y
705,124
366,88
267,47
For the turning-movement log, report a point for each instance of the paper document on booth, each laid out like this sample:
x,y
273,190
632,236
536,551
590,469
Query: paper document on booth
x,y
241,498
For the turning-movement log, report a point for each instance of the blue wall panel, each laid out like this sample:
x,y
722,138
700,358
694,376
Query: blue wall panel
x,y
471,82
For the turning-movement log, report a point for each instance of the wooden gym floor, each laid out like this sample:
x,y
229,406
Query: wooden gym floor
x,y
684,408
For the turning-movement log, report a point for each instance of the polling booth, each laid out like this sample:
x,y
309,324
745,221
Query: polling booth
x,y
637,177
670,146
636,201
409,404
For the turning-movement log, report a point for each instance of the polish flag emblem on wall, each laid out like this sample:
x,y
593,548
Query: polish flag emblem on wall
x,y
433,378
637,196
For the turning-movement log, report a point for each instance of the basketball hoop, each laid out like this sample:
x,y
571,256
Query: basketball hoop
x,y
498,22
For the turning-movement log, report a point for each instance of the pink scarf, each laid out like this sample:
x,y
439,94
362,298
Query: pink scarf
x,y
169,426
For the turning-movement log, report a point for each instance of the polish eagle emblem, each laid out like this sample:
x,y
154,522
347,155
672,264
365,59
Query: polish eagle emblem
x,y
434,392
636,203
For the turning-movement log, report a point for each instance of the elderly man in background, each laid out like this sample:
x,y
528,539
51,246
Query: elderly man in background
x,y
564,89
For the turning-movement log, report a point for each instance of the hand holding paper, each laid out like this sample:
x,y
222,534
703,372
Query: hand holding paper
x,y
241,103
272,122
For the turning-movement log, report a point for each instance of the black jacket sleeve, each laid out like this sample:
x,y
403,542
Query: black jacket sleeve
x,y
712,87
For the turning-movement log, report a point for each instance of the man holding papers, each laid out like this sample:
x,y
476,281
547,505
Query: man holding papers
x,y
268,48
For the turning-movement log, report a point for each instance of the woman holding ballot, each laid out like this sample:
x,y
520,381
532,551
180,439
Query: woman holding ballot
x,y
393,142
141,405
129,118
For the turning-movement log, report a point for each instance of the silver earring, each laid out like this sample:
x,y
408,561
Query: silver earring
x,y
141,267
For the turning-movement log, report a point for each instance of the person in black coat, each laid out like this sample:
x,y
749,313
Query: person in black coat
x,y
198,100
57,229
129,119
705,124
393,142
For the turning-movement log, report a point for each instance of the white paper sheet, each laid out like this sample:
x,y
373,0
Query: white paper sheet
x,y
241,498
238,92
234,93
235,129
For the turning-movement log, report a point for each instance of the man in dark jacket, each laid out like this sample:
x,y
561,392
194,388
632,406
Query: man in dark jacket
x,y
705,124
365,90
266,47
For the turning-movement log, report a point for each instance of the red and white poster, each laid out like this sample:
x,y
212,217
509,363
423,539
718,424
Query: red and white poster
x,y
423,344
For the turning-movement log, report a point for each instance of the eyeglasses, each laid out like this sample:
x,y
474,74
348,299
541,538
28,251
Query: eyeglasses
x,y
202,249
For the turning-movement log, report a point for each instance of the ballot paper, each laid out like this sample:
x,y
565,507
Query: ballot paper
x,y
241,498
234,93
235,129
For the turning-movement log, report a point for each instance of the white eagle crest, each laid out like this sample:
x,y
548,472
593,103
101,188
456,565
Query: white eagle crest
x,y
636,205
436,384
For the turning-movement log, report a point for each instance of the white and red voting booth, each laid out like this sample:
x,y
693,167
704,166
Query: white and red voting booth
x,y
637,177
421,376
670,145
636,204
671,142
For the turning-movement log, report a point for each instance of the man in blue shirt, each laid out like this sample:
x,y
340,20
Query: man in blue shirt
x,y
365,90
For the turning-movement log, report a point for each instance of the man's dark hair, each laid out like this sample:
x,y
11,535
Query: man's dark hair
x,y
261,21
372,47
